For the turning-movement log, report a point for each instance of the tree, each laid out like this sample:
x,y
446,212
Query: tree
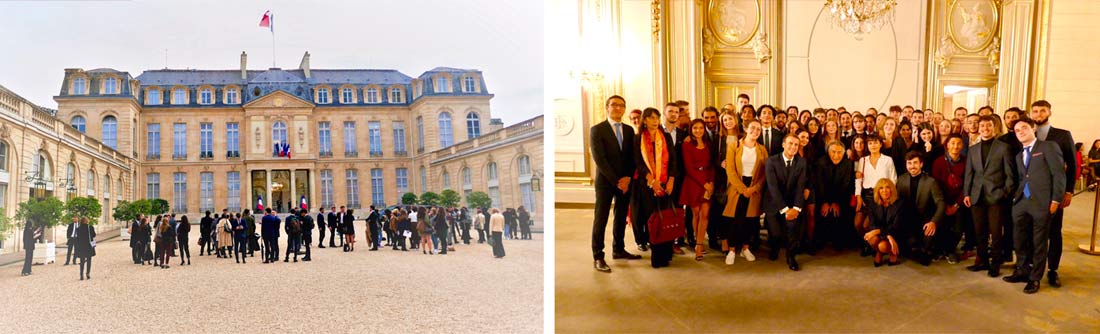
x,y
429,198
158,206
5,226
408,199
125,211
46,212
142,206
83,207
449,198
479,199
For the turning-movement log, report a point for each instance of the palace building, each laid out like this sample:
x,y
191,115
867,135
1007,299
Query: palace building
x,y
227,139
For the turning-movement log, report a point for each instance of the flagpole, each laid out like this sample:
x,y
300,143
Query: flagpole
x,y
272,28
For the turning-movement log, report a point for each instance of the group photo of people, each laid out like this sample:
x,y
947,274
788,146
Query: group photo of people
x,y
977,188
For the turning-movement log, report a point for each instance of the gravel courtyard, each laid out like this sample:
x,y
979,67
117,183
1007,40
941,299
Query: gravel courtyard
x,y
465,291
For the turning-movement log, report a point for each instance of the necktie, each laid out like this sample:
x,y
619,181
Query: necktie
x,y
768,137
619,134
1027,162
789,163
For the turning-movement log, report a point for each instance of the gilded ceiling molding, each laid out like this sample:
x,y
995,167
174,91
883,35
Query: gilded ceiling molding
x,y
655,6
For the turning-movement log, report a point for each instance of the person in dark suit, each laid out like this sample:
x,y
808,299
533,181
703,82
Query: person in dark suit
x,y
136,249
1040,112
183,235
1042,185
269,231
1011,115
373,219
293,228
321,227
771,137
785,175
922,199
333,223
678,133
83,239
307,233
656,167
612,144
31,232
69,238
987,185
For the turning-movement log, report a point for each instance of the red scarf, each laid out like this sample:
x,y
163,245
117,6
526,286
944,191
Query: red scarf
x,y
655,155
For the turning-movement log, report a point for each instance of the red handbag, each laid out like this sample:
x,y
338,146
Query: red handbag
x,y
666,225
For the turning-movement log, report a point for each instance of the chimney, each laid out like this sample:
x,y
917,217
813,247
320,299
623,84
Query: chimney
x,y
244,67
304,66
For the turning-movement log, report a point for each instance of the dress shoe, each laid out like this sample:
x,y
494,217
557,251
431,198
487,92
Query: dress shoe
x,y
978,267
773,254
1053,280
677,250
994,271
601,266
792,264
643,248
623,255
321,246
1032,287
1015,278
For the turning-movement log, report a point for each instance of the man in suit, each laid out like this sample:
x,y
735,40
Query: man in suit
x,y
69,244
333,222
293,228
373,220
307,233
1042,184
1011,115
31,233
923,201
671,126
269,231
786,176
1040,112
612,145
770,136
206,226
987,185
321,227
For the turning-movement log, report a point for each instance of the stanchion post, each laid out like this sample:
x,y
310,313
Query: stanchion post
x,y
1090,247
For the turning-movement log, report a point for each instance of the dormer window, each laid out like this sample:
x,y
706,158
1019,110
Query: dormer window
x,y
206,96
372,95
153,97
79,86
443,85
110,86
322,96
232,96
347,96
396,96
179,96
468,85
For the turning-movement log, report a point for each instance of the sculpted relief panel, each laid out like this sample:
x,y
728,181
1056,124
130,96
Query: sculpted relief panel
x,y
733,22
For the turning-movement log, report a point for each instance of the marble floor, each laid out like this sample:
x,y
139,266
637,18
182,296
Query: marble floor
x,y
834,292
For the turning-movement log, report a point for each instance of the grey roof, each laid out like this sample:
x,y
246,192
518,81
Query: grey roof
x,y
192,77
382,77
276,76
318,76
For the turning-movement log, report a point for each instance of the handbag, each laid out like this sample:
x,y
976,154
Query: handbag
x,y
148,256
666,225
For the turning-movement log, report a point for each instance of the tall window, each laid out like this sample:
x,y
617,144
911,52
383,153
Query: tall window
x,y
527,194
152,140
473,125
206,191
374,134
395,95
423,180
206,140
372,95
3,156
91,183
233,139
110,86
322,96
152,185
468,85
419,134
278,132
324,132
206,96
80,86
179,192
179,140
467,181
79,124
350,148
399,138
494,184
326,188
110,132
446,180
377,190
106,185
179,96
232,96
70,174
347,95
402,181
443,83
446,135
153,97
234,181
352,177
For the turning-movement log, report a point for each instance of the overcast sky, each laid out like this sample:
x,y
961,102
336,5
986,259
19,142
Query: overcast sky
x,y
504,39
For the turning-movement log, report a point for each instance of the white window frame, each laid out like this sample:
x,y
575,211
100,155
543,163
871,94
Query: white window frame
x,y
322,96
153,97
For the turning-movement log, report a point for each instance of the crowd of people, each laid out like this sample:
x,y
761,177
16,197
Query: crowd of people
x,y
906,183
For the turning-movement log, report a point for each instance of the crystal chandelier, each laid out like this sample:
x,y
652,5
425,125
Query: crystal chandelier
x,y
859,17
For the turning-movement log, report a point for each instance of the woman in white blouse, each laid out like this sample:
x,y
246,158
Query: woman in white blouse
x,y
869,170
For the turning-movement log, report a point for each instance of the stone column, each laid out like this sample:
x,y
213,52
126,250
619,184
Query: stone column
x,y
268,188
293,191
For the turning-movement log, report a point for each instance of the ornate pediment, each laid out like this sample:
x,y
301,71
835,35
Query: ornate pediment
x,y
279,99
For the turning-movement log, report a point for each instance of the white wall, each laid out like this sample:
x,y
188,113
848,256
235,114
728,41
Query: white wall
x,y
1073,73
824,66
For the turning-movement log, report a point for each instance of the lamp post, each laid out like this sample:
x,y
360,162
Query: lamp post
x,y
536,181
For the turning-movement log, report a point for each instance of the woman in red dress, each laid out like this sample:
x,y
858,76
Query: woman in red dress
x,y
698,182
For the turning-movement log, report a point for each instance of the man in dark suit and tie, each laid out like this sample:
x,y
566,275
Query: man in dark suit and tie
x,y
672,128
321,227
1042,185
770,136
987,185
269,231
924,205
1040,112
612,146
1011,115
786,178
333,223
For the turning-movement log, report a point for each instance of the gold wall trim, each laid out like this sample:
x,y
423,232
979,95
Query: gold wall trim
x,y
710,18
1040,50
993,33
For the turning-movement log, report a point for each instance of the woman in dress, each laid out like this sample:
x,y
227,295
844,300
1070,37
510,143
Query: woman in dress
x,y
84,247
885,222
869,170
349,230
698,183
655,161
745,172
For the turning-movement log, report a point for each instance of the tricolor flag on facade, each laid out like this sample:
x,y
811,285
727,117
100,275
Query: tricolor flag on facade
x,y
268,21
259,203
285,151
304,205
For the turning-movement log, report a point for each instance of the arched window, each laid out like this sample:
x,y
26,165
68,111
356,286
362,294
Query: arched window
x,y
322,96
41,167
80,86
78,123
110,132
467,182
232,96
278,132
206,96
347,96
527,194
3,156
446,180
446,133
110,86
70,177
468,85
179,96
153,97
423,180
494,184
473,125
91,183
372,95
396,96
443,84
